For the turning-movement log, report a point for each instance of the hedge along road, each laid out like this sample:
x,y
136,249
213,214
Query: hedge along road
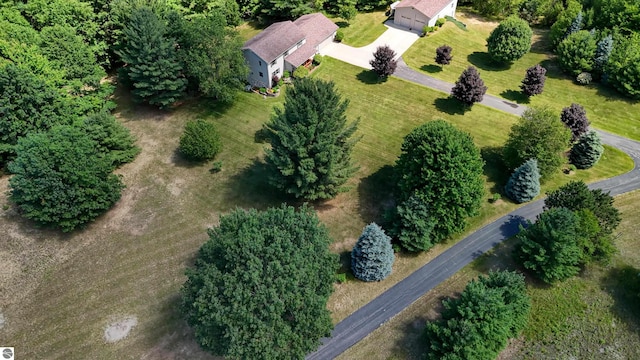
x,y
371,316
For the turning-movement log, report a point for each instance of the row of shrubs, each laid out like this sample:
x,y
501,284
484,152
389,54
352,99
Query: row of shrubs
x,y
429,29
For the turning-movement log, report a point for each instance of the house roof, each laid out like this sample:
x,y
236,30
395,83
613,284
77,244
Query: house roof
x,y
275,40
317,29
427,7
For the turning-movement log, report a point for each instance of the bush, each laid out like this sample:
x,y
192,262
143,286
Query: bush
x,y
440,166
372,257
565,19
200,140
242,282
584,78
317,59
540,135
339,36
440,22
428,29
534,79
623,66
574,117
524,183
383,62
469,88
300,72
587,151
286,74
576,52
61,179
510,40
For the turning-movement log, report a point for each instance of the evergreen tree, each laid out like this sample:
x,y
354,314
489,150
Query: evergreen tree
x,y
114,141
383,62
60,178
152,67
260,285
550,248
372,257
510,40
311,141
587,151
442,167
603,51
533,82
524,183
443,55
576,52
576,25
623,67
469,88
414,224
200,140
574,117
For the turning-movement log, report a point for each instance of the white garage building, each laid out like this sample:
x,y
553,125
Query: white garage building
x,y
416,14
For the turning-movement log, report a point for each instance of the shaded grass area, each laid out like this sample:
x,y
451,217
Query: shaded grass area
x,y
131,261
364,29
249,29
606,108
593,315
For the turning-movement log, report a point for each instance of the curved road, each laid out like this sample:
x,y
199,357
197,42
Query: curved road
x,y
371,316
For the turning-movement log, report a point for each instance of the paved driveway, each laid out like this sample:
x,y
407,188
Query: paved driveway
x,y
398,38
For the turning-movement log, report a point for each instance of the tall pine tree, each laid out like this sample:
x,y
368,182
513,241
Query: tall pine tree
x,y
524,183
152,67
311,141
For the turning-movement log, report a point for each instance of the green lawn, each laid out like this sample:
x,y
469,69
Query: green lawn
x,y
131,261
364,29
606,109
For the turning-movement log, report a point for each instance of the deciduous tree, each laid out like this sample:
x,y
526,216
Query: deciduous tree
x,y
587,151
524,183
469,88
510,40
623,67
60,178
533,82
574,117
311,141
540,135
443,55
260,285
372,257
383,62
442,165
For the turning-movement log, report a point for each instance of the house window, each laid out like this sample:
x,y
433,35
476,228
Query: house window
x,y
273,62
259,63
276,72
261,75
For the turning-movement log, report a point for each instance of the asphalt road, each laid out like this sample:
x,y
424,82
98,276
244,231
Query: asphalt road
x,y
371,316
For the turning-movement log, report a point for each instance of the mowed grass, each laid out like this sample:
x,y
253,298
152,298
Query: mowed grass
x,y
364,29
65,289
606,108
593,315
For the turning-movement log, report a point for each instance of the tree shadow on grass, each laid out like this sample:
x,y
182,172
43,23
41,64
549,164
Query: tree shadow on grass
x,y
412,345
494,167
622,282
516,96
250,188
342,24
370,78
483,61
375,195
180,160
450,106
432,69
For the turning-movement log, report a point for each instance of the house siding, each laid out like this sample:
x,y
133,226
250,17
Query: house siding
x,y
257,66
326,42
449,10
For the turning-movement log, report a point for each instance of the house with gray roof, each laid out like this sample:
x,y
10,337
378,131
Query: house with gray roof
x,y
286,45
416,14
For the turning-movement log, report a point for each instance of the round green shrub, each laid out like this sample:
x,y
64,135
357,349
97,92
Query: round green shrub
x,y
200,140
300,72
339,36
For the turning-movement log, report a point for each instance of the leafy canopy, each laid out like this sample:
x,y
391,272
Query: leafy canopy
x,y
443,167
540,135
60,178
533,82
510,41
200,140
311,141
443,55
469,88
383,62
576,52
260,284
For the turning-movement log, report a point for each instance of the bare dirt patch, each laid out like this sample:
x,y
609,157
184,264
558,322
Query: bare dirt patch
x,y
119,330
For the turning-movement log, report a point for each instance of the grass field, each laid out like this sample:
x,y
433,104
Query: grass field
x,y
592,316
606,108
364,29
59,292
